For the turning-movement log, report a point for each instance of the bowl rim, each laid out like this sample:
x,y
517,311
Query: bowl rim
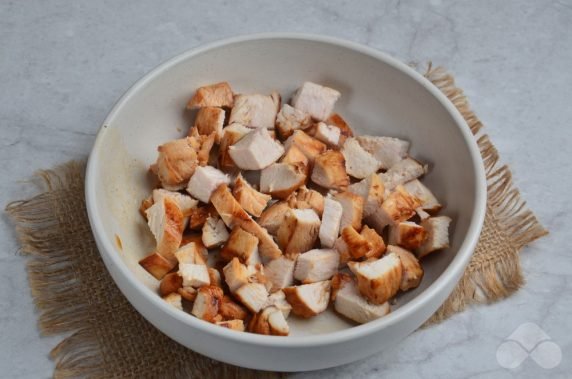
x,y
451,273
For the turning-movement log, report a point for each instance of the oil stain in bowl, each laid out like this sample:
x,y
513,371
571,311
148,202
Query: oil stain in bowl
x,y
118,243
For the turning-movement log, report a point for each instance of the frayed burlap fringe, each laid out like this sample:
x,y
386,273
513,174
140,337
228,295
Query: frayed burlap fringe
x,y
75,294
494,271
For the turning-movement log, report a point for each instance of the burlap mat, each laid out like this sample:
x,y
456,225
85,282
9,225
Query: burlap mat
x,y
75,294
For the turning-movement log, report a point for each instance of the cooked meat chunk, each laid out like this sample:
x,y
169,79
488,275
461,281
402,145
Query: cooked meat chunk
x,y
407,234
328,134
309,146
290,119
273,216
352,209
351,304
308,300
378,280
204,181
401,173
256,150
176,163
210,120
316,100
242,245
299,231
359,163
316,265
214,232
437,235
214,95
231,135
412,270
330,170
330,226
165,220
387,150
250,199
281,179
256,111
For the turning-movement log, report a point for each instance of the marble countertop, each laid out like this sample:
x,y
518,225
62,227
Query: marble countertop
x,y
64,63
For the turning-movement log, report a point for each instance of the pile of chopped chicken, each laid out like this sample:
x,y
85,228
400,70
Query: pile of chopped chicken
x,y
267,209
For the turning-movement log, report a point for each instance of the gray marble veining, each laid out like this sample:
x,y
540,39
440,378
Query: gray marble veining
x,y
63,64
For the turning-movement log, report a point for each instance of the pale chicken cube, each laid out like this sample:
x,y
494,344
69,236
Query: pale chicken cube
x,y
338,121
270,321
375,240
295,155
399,206
328,134
329,170
306,198
203,144
359,163
402,172
352,209
176,163
210,120
204,181
185,202
156,265
214,233
342,248
378,280
252,295
235,274
280,272
231,135
308,300
170,284
412,270
165,221
308,145
214,95
274,216
387,150
281,179
175,300
316,100
429,202
256,111
299,231
237,325
256,150
190,253
278,300
407,234
351,304
194,275
250,199
316,265
372,190
242,245
437,235
206,305
290,119
358,246
330,226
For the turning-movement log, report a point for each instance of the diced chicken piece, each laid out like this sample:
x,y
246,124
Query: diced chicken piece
x,y
156,265
402,172
170,284
378,280
429,202
308,300
235,274
214,233
387,150
342,248
194,275
233,215
352,209
256,111
197,239
175,300
256,274
198,216
231,135
357,245
229,310
237,325
309,146
188,293
241,245
351,304
337,282
252,295
190,253
375,240
437,235
202,143
412,270
273,216
328,134
316,100
299,231
372,190
330,226
290,119
278,300
214,95
359,163
214,277
329,170
250,199
281,179
316,265
399,206
270,321
185,203
306,198
295,155
337,120
176,163
204,181
165,220
256,150
407,234
280,272
210,120
207,303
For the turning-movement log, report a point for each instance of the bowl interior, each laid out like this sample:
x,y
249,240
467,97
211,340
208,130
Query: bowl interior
x,y
377,99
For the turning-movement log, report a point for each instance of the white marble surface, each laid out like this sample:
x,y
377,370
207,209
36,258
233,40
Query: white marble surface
x,y
64,63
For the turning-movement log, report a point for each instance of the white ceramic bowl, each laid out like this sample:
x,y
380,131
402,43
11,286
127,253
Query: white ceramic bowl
x,y
380,96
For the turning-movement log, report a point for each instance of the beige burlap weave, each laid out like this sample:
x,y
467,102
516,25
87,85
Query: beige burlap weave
x,y
109,339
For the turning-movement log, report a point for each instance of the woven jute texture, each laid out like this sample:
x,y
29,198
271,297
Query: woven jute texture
x,y
109,339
